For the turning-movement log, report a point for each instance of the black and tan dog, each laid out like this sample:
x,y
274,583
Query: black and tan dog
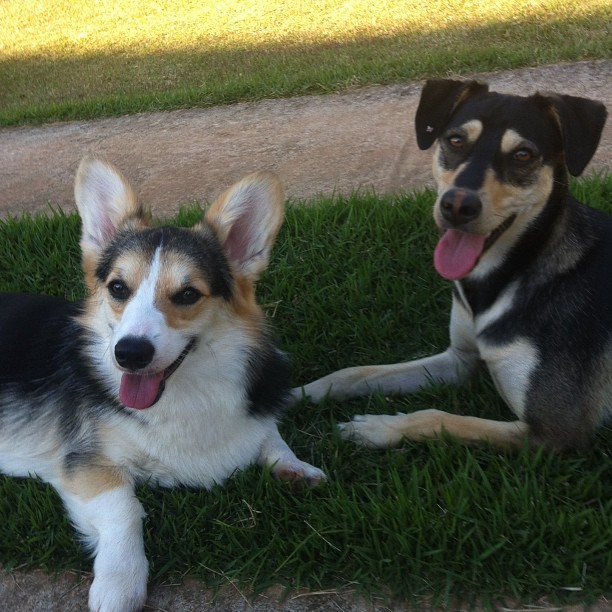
x,y
532,272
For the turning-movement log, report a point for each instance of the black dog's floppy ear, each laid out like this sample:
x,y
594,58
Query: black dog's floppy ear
x,y
581,121
439,98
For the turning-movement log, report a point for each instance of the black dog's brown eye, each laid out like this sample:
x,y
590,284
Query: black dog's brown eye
x,y
522,156
119,290
455,141
186,297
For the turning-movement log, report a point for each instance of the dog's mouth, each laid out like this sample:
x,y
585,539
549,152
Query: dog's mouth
x,y
144,390
457,252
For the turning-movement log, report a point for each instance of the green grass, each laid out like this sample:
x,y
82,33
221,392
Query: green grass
x,y
351,283
78,59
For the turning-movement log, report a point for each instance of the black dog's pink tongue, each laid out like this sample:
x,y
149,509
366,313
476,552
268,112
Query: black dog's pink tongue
x,y
139,391
457,253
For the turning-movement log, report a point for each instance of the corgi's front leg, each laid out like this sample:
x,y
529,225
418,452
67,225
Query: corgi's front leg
x,y
111,521
276,454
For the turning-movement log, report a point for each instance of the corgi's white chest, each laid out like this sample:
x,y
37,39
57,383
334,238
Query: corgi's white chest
x,y
194,445
198,433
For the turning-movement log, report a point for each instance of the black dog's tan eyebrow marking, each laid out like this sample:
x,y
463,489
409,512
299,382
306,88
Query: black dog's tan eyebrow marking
x,y
473,129
511,140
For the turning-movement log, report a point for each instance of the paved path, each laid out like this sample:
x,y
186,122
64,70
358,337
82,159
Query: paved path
x,y
317,144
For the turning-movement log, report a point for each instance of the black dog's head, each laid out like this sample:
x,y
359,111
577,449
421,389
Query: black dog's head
x,y
497,160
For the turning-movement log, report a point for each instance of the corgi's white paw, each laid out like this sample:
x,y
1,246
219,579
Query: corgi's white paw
x,y
124,590
295,470
296,395
374,430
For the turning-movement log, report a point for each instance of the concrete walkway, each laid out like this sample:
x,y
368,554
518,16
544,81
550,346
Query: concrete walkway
x,y
317,144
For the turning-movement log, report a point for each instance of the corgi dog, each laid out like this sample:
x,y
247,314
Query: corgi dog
x,y
165,374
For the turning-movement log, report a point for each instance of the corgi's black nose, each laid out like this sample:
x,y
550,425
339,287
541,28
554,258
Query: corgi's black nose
x,y
134,352
459,206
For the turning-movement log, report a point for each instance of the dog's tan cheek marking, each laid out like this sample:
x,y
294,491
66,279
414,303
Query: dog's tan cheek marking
x,y
444,178
245,306
543,187
86,482
89,263
96,299
244,297
498,197
441,175
505,199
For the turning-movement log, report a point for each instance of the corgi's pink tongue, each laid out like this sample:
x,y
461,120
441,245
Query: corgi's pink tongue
x,y
457,253
139,391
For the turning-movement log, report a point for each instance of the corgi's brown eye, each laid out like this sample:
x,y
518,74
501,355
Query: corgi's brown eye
x,y
186,297
455,141
522,156
119,290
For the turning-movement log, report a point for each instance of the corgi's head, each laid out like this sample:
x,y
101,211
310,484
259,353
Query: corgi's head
x,y
155,292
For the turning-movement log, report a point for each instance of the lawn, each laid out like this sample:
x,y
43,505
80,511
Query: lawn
x,y
351,282
63,59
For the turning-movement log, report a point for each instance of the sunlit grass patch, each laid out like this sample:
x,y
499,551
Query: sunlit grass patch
x,y
61,59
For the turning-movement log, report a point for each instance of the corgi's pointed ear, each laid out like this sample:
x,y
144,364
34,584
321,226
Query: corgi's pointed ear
x,y
105,201
247,218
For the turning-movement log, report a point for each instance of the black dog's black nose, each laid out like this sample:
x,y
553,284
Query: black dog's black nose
x,y
134,353
459,206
